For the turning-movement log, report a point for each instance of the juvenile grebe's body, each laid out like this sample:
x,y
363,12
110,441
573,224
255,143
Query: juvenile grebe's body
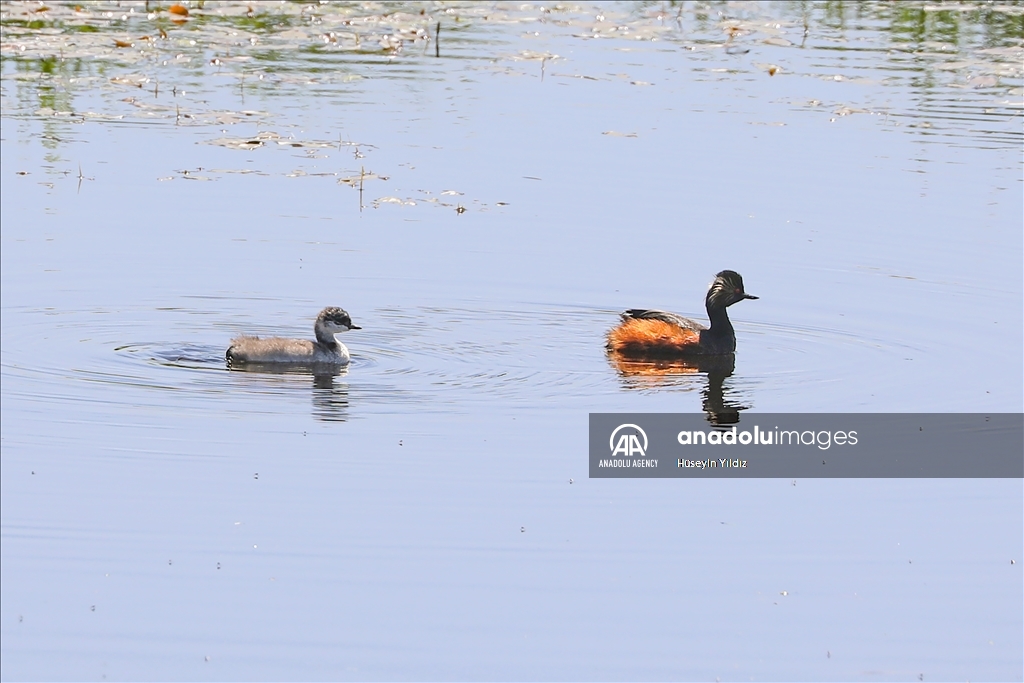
x,y
326,349
647,333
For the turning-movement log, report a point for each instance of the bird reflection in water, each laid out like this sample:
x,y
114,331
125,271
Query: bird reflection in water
x,y
330,398
642,374
330,391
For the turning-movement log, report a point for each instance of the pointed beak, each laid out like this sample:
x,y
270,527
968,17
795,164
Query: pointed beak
x,y
356,327
750,296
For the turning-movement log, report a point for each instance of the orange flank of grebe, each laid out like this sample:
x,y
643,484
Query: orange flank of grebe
x,y
658,334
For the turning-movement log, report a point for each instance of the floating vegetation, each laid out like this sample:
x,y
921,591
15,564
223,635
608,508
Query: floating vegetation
x,y
358,180
170,56
393,200
264,138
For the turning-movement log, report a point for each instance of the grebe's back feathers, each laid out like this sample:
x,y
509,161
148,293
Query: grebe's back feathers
x,y
663,316
281,350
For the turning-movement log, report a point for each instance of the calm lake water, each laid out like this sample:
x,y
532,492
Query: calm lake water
x,y
484,198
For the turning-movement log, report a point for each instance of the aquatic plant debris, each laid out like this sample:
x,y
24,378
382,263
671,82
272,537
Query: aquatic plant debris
x,y
90,51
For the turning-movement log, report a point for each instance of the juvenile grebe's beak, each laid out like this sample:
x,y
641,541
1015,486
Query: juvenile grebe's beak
x,y
356,327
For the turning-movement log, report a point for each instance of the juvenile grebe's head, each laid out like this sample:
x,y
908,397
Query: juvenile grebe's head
x,y
726,290
333,320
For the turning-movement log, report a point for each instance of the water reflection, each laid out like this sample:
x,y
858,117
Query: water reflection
x,y
62,56
720,406
330,398
330,395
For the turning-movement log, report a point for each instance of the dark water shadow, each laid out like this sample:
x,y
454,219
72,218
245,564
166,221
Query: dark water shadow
x,y
652,374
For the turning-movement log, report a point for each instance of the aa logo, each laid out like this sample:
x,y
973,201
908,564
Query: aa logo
x,y
628,443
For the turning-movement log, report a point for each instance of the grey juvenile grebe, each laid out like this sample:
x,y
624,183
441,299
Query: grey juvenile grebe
x,y
657,334
326,348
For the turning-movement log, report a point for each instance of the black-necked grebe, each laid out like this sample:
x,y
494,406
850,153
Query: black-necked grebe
x,y
326,348
657,334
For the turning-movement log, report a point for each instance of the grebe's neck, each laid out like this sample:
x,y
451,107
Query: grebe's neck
x,y
333,350
340,351
721,326
726,290
323,337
